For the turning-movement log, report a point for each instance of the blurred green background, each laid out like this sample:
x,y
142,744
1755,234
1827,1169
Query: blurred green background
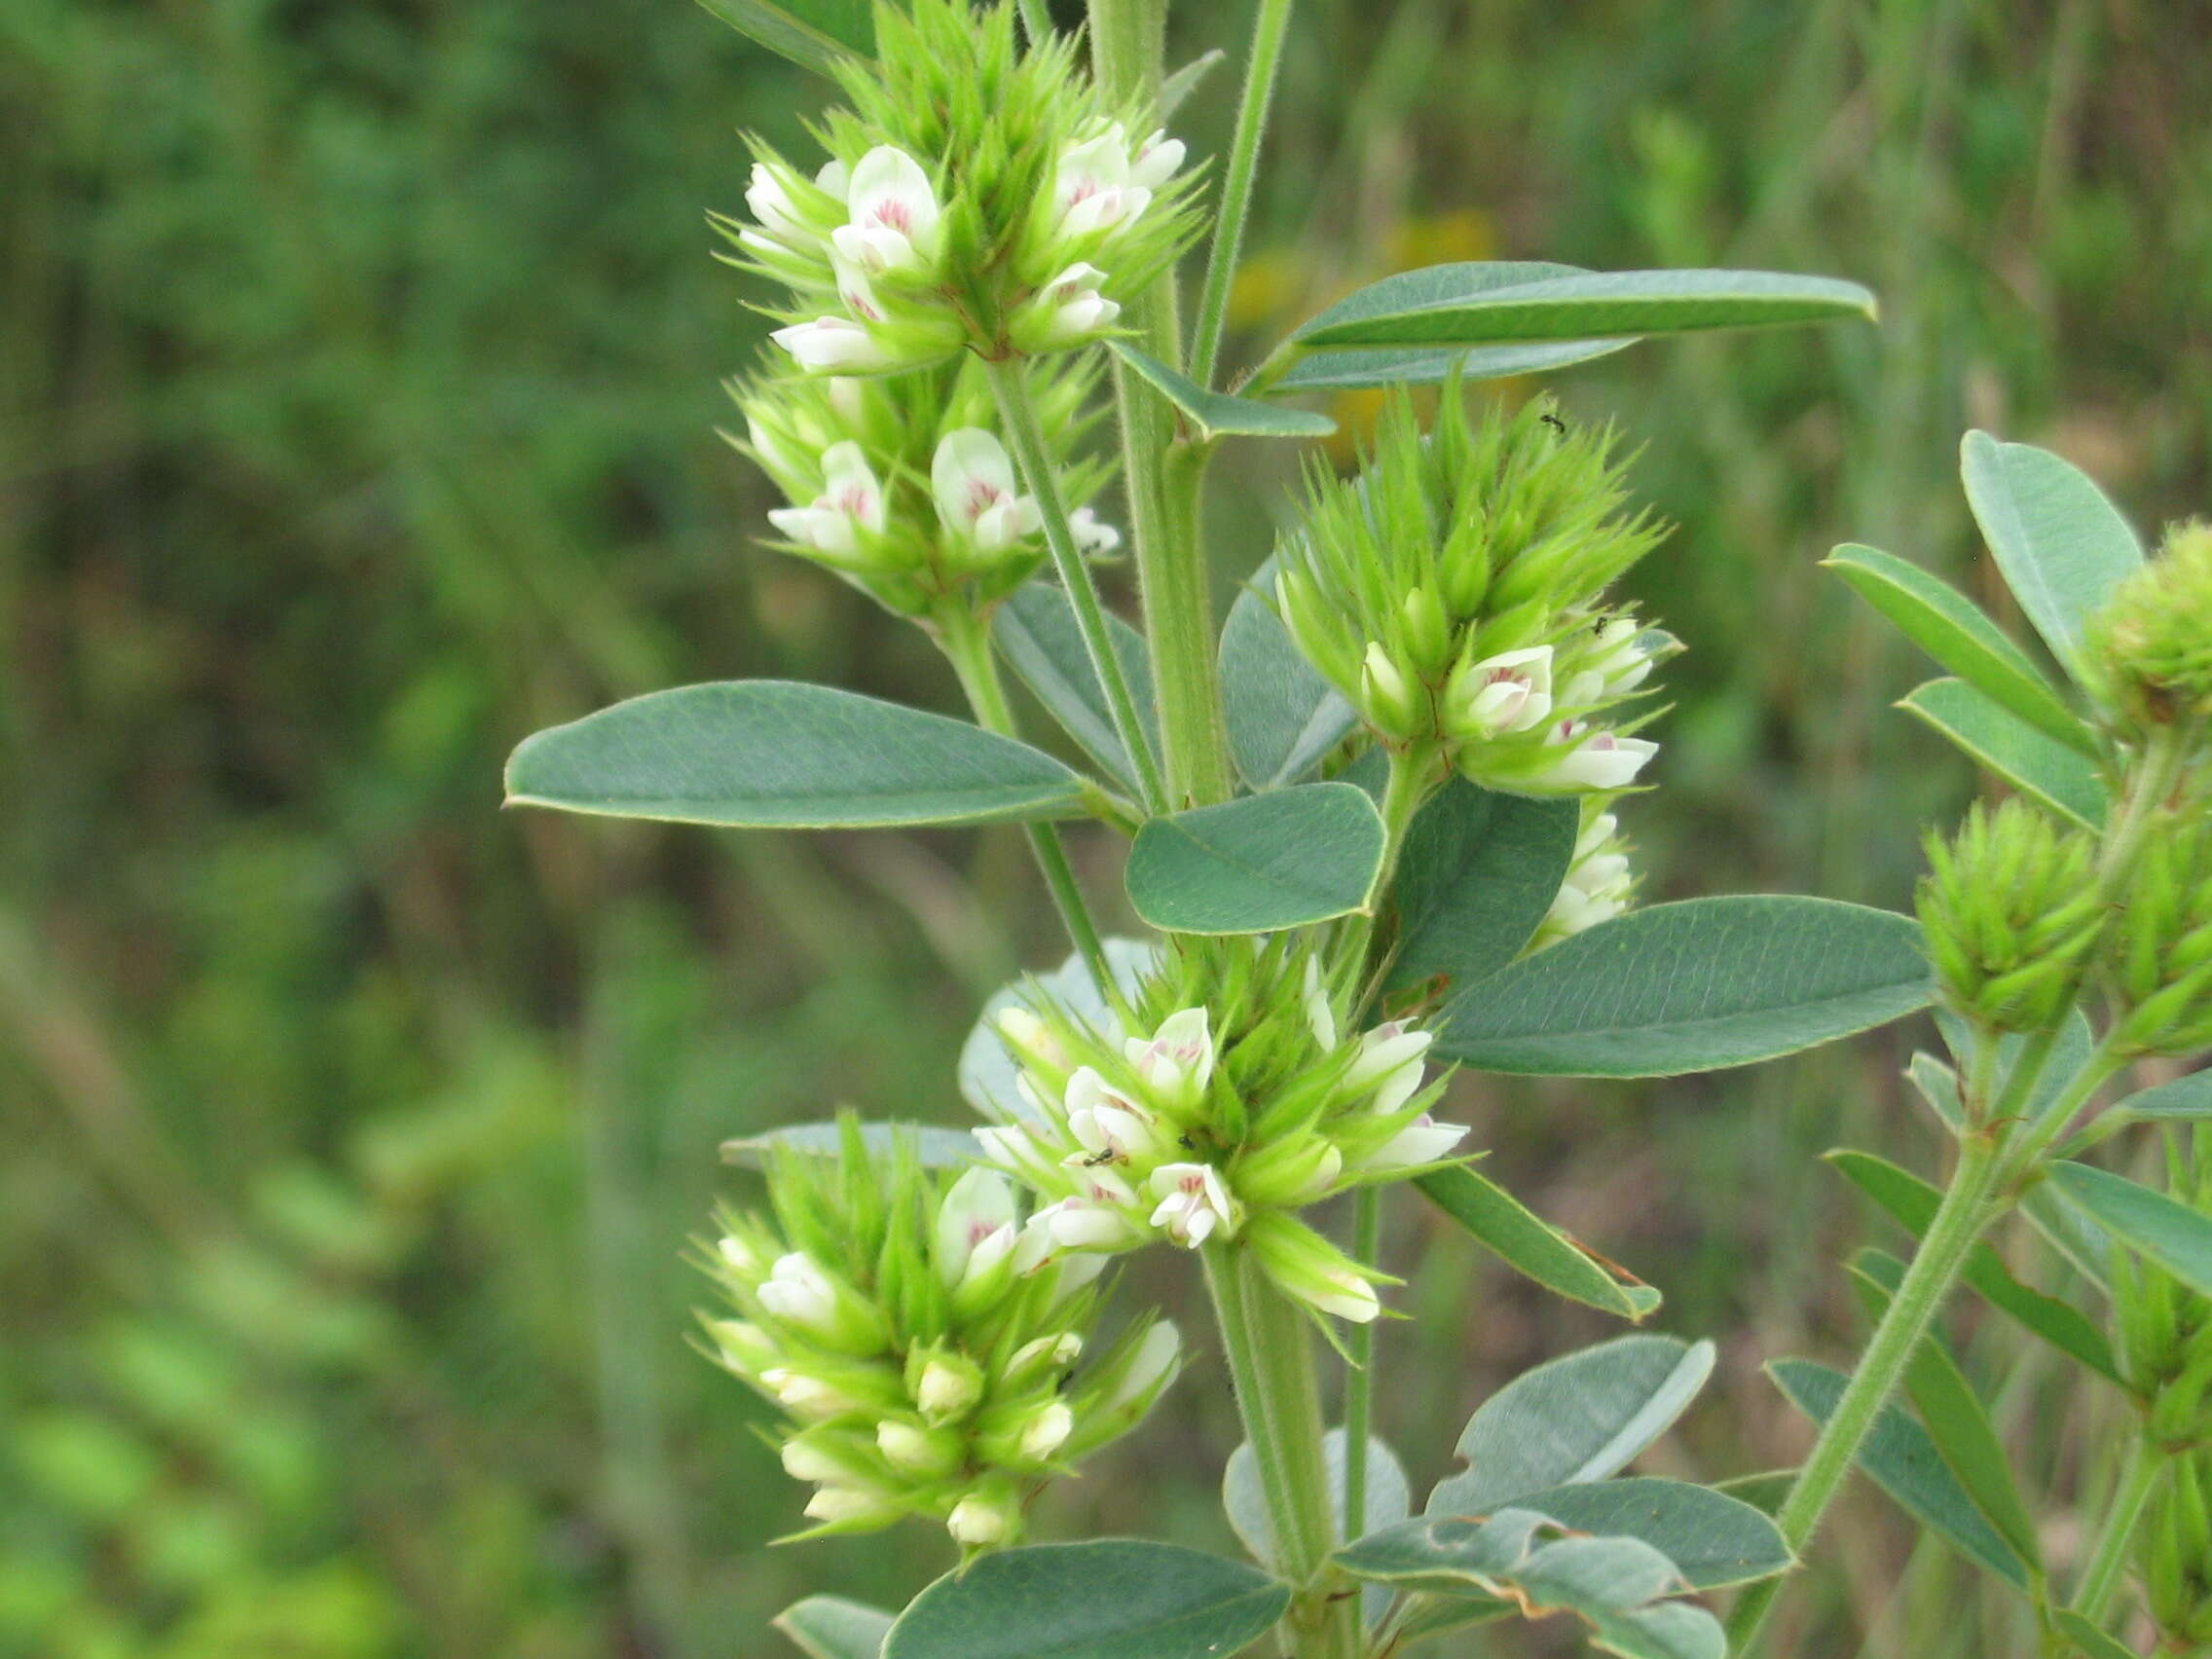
x,y
360,369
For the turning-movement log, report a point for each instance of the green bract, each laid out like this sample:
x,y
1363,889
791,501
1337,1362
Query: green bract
x,y
2010,916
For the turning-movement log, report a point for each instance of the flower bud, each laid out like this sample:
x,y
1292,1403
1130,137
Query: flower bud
x,y
851,1509
1176,1063
1290,1170
986,1518
1310,1269
947,1387
1390,1065
2010,916
1598,884
800,1294
1194,1205
913,1450
1387,700
1420,1143
2147,656
2161,968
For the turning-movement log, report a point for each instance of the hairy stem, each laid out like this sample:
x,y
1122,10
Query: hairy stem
x,y
1010,380
1267,34
1270,1349
2145,1462
963,638
1967,1209
1359,1375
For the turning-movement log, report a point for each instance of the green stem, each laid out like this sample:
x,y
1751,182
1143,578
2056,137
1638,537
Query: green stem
x,y
1268,34
2092,1598
963,638
1359,1374
1270,1349
1403,795
1178,614
1019,414
1959,1220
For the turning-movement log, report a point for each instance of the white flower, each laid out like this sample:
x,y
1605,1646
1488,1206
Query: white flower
x,y
1382,687
850,504
1622,659
1109,1129
1320,1013
1047,1433
1158,160
1094,535
1194,1203
1067,309
1601,762
1344,1294
1177,1061
1093,189
800,1292
1150,1367
1080,1224
977,499
835,345
892,213
1421,1141
834,179
975,1209
1511,691
1390,1065
771,206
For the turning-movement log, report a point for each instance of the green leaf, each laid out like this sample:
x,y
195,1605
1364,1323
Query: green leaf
x,y
1478,873
1765,1492
987,1073
2185,1099
1713,1539
1281,860
2063,547
1365,371
1037,633
1911,1203
1179,85
1283,717
1953,1415
1952,629
1216,414
1614,1584
1528,1245
1692,987
771,754
2153,1225
815,33
829,1627
1579,1418
1583,306
1389,1501
937,1148
1905,1464
1117,1598
2087,1638
2058,776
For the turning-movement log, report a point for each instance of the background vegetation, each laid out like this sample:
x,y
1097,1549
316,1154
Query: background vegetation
x,y
359,378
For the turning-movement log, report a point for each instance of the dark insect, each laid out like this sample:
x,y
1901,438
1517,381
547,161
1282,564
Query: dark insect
x,y
1554,422
1098,1158
1186,1143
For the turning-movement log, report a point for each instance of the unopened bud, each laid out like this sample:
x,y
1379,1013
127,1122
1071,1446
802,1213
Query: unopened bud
x,y
2010,916
949,1387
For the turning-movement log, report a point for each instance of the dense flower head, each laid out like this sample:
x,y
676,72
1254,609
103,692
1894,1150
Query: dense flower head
x,y
2161,967
1225,1101
903,487
1599,883
2010,915
975,196
929,1353
2148,653
1455,592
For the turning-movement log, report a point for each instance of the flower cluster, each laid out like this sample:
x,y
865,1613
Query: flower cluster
x,y
1600,885
923,1341
2011,916
1454,592
2161,968
2166,1336
901,486
975,197
1198,1121
2148,656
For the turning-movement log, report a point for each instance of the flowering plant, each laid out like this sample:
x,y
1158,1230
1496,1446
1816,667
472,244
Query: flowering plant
x,y
1374,830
